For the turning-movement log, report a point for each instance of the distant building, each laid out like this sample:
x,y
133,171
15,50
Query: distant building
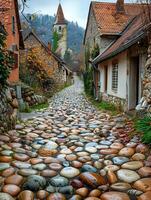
x,y
9,17
118,69
60,32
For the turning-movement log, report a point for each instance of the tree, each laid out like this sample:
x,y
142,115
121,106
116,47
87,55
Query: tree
x,y
68,57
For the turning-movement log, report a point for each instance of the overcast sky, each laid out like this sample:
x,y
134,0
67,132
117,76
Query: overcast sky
x,y
74,10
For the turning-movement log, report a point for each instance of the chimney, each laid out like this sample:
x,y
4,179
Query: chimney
x,y
120,6
49,46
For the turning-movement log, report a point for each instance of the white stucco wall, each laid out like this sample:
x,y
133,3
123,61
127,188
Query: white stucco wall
x,y
122,76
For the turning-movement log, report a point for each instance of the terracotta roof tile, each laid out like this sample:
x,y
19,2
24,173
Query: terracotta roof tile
x,y
129,37
110,22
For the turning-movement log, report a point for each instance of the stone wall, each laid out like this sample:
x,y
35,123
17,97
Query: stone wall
x,y
8,109
119,103
145,103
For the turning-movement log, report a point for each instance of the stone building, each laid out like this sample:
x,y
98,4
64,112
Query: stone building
x,y
9,17
119,67
55,67
60,28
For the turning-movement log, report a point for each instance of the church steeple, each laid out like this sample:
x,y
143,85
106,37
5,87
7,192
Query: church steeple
x,y
60,19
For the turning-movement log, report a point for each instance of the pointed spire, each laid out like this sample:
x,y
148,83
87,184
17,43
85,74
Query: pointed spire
x,y
60,19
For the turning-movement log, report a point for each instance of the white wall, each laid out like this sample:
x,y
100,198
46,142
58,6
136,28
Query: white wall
x,y
122,76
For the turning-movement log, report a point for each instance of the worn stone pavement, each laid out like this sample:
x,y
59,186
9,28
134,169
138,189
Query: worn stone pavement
x,y
72,151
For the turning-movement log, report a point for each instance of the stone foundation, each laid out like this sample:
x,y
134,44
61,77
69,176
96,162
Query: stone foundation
x,y
8,109
29,96
119,103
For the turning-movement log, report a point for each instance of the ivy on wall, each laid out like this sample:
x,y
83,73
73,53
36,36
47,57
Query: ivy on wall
x,y
55,41
6,61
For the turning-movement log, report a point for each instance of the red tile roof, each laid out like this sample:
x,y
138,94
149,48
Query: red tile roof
x,y
111,22
133,33
60,19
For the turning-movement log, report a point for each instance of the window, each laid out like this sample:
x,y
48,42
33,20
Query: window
x,y
115,77
59,28
13,25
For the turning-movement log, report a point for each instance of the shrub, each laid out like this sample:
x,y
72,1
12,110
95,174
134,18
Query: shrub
x,y
144,126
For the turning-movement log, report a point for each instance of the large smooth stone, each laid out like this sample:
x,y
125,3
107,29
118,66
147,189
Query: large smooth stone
x,y
127,176
120,160
67,190
48,173
127,152
145,171
21,165
43,151
11,189
121,186
39,166
132,165
76,183
114,196
56,196
82,192
138,156
91,149
4,166
143,184
8,172
51,145
145,196
69,172
42,194
88,168
59,181
21,157
92,179
5,196
26,195
27,172
34,183
14,179
108,151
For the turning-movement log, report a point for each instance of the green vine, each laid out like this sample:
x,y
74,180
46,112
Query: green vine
x,y
55,41
6,61
95,52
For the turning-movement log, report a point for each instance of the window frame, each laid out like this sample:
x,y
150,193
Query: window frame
x,y
115,74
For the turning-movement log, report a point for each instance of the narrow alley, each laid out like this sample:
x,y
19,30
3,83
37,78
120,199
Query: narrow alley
x,y
71,151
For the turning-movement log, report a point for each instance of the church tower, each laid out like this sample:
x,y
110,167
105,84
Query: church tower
x,y
60,33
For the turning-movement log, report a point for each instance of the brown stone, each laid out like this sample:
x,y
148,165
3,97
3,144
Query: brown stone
x,y
26,195
76,164
48,173
14,179
76,183
35,161
51,160
82,192
142,148
11,189
4,138
8,172
6,159
111,177
92,198
143,184
71,157
95,193
145,171
114,196
108,151
55,166
145,196
92,179
56,196
42,194
117,146
46,152
21,157
126,151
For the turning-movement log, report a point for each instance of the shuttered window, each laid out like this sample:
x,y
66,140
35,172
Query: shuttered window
x,y
115,77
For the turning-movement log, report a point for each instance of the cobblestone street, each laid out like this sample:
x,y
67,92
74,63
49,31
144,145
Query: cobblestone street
x,y
73,151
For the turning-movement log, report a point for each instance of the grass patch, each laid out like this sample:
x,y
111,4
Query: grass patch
x,y
39,106
105,106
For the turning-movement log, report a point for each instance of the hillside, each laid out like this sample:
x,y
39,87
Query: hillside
x,y
43,25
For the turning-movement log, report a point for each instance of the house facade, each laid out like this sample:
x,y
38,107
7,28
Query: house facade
x,y
55,67
118,70
9,17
